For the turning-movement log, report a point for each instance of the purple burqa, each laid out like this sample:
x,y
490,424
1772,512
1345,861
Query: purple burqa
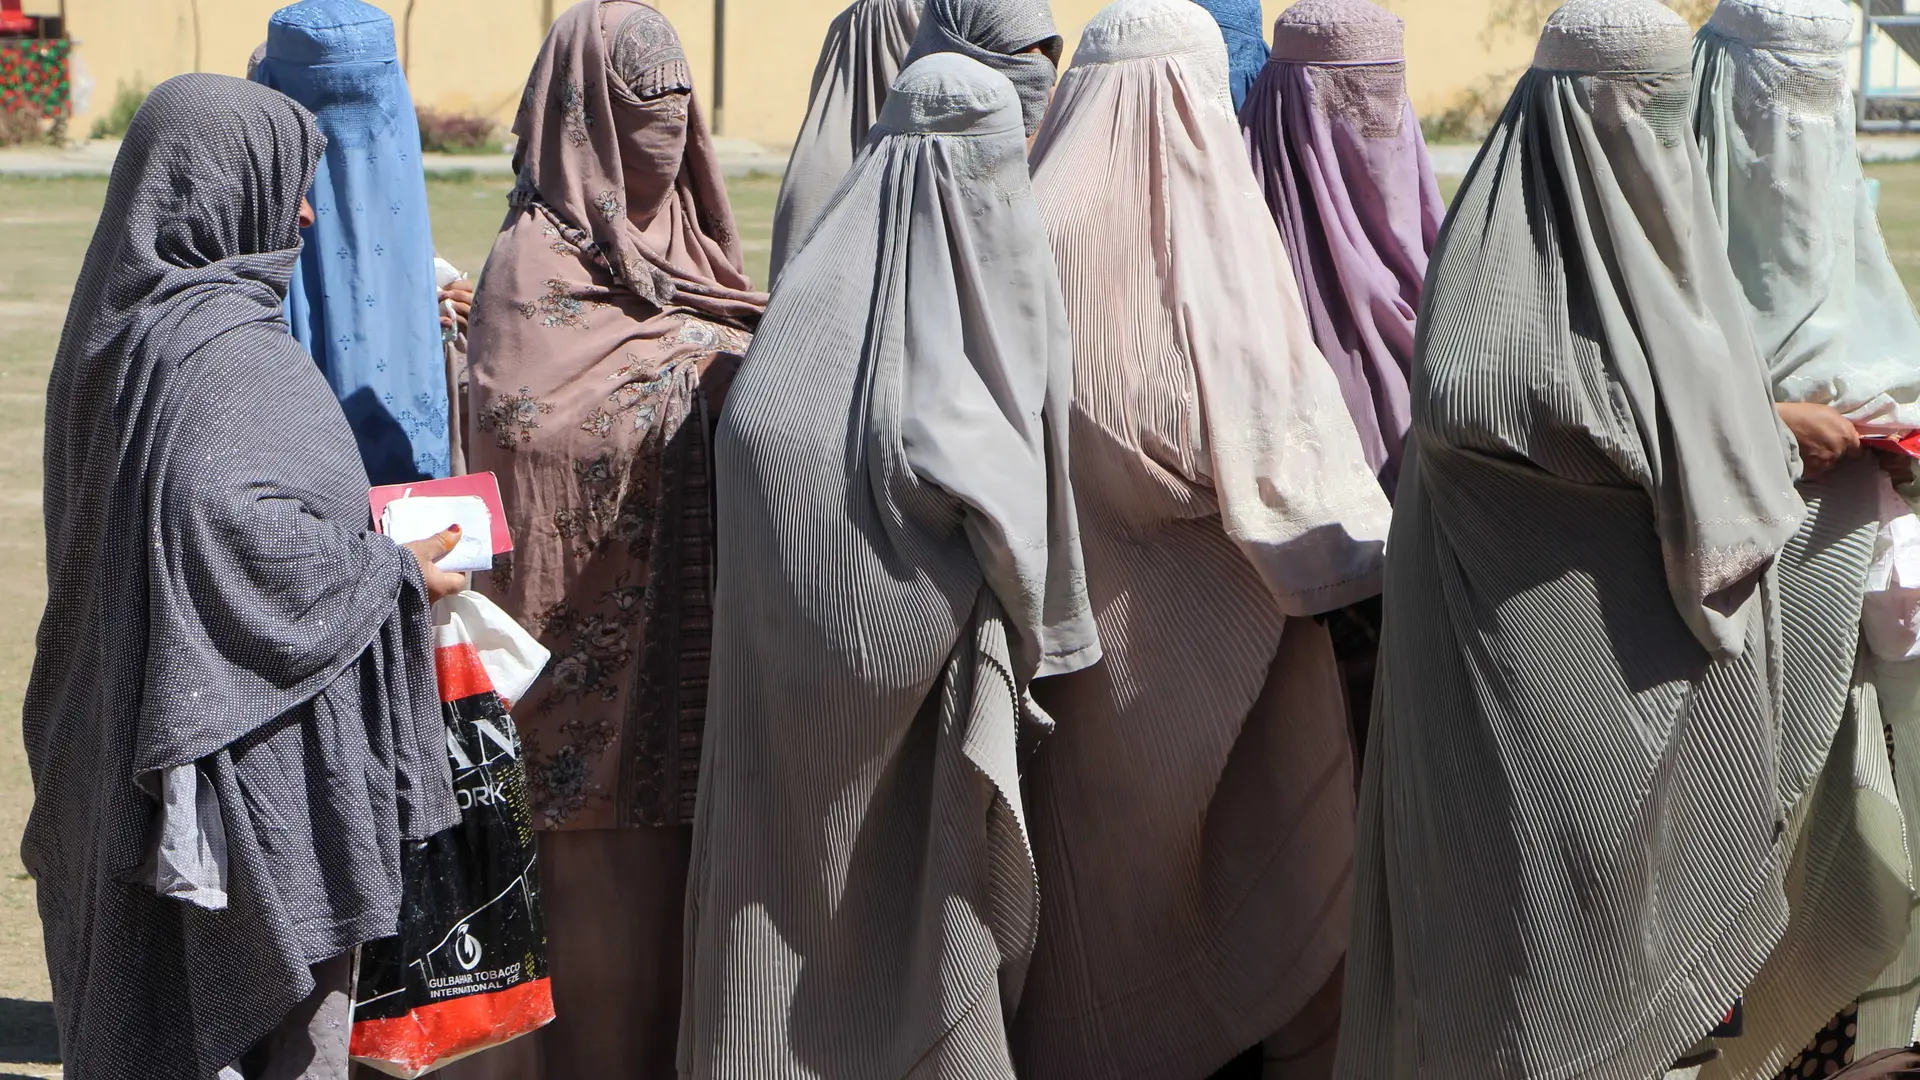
x,y
1339,155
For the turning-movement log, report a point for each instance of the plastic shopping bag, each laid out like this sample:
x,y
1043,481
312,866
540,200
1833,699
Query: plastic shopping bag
x,y
468,970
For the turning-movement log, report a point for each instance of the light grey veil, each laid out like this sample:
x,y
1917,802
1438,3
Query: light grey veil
x,y
861,56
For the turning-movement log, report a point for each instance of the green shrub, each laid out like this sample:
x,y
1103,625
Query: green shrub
x,y
1472,113
127,100
456,133
20,126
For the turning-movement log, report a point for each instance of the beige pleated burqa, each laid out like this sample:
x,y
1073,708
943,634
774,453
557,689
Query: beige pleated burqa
x,y
1193,812
1775,123
899,559
1571,831
859,60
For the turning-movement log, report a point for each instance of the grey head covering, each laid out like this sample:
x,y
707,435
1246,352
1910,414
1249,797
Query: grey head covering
x,y
863,52
1577,671
862,882
998,33
1774,120
215,605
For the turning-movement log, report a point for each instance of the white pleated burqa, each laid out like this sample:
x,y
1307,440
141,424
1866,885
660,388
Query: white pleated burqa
x,y
1775,122
1193,811
859,60
899,559
1571,820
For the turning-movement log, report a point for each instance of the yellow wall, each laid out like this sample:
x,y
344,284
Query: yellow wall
x,y
472,55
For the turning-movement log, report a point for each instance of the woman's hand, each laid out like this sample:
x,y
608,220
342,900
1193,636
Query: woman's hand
x,y
459,293
1825,436
440,583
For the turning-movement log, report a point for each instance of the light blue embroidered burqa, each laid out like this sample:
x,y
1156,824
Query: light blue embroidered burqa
x,y
1243,25
363,299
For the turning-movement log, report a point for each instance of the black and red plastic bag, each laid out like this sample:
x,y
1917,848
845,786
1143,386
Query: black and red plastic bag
x,y
468,970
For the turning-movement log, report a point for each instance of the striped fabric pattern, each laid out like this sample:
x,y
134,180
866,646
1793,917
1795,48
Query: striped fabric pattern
x,y
1848,879
899,560
1888,1008
1774,120
859,59
1569,860
1193,811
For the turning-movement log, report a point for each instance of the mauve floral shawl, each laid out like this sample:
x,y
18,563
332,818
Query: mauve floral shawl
x,y
1339,154
612,311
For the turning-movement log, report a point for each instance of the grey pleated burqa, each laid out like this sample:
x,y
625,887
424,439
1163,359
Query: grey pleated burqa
x,y
224,636
1571,817
1193,812
899,559
1775,122
861,56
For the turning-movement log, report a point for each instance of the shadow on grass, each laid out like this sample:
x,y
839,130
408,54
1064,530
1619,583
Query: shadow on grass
x,y
27,1033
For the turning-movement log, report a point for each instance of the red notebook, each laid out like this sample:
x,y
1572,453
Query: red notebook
x,y
1907,445
484,484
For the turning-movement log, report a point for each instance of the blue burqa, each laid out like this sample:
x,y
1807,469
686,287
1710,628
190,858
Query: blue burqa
x,y
1242,24
364,299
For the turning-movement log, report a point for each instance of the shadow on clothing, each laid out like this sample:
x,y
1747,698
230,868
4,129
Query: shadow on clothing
x,y
385,446
1245,1067
27,1033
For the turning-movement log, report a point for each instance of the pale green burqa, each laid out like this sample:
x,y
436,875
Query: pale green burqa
x,y
1775,124
1568,858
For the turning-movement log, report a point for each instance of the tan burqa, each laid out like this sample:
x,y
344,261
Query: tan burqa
x,y
613,289
1193,812
610,315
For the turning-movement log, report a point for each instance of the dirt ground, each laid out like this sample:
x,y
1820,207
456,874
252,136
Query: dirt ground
x,y
44,229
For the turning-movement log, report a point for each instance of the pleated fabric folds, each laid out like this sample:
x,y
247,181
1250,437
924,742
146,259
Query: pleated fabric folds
x,y
900,559
1775,123
1571,819
1193,811
859,60
1337,147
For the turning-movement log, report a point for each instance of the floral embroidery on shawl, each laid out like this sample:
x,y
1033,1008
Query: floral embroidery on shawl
x,y
514,418
559,307
575,119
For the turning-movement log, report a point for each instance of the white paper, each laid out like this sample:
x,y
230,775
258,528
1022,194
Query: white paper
x,y
419,517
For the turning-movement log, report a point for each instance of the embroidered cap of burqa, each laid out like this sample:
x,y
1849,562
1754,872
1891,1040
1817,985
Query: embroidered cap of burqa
x,y
1569,839
899,559
1194,810
861,56
1775,122
218,613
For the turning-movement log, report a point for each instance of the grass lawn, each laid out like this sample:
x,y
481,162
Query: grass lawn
x,y
44,228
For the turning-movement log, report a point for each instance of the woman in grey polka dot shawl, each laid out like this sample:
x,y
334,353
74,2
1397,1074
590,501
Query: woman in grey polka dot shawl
x,y
232,721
